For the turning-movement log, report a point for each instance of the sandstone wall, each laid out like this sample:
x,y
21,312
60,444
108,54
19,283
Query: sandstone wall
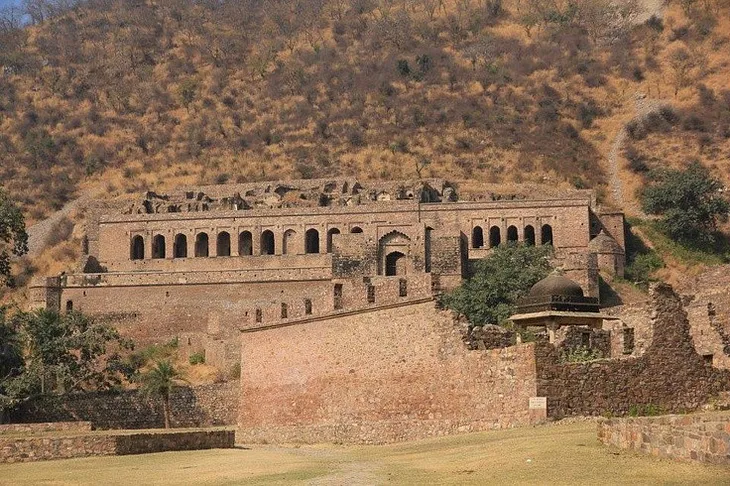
x,y
378,377
39,428
702,437
669,374
209,405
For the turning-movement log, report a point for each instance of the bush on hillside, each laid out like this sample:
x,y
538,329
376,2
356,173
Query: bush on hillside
x,y
690,203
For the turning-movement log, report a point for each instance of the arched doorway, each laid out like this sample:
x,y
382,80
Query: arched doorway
x,y
223,244
180,246
495,236
395,264
158,246
136,251
529,235
245,244
512,235
201,245
311,244
267,243
477,237
547,235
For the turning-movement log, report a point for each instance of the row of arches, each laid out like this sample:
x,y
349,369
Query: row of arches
x,y
223,245
495,236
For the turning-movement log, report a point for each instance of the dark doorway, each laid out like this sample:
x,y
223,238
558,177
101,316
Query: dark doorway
x,y
477,237
245,244
267,243
137,248
312,241
395,264
223,244
180,246
201,245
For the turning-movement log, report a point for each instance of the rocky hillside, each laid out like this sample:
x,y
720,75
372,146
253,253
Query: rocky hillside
x,y
154,94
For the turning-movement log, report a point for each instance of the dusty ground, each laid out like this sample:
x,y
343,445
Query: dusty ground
x,y
561,454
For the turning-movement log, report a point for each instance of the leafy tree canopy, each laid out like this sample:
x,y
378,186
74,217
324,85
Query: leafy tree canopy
x,y
690,203
61,353
489,296
13,238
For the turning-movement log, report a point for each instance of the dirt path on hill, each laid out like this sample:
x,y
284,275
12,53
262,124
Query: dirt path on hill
x,y
39,233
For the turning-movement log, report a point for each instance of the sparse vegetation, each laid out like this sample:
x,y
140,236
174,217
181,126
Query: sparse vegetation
x,y
690,203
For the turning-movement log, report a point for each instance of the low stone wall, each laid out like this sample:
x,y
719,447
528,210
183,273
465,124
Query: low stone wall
x,y
202,406
27,449
39,428
702,437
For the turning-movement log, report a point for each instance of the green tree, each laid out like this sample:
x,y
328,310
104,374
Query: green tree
x,y
159,382
62,353
13,238
690,202
489,296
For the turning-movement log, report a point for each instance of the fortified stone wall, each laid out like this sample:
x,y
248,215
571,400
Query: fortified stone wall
x,y
701,437
669,375
376,377
202,406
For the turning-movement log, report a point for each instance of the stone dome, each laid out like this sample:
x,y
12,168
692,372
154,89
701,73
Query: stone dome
x,y
604,244
556,284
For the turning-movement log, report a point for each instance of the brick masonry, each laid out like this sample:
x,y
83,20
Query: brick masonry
x,y
701,437
670,374
376,377
39,428
203,406
141,273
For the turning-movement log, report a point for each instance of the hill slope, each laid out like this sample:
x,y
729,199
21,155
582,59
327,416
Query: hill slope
x,y
146,94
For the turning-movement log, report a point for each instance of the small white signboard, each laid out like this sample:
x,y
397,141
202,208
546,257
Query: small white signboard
x,y
538,403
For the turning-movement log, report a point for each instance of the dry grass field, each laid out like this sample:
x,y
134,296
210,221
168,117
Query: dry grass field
x,y
560,454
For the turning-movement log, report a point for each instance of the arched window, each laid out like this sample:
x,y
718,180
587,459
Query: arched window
x,y
137,248
512,235
223,244
547,235
245,244
180,246
356,229
307,306
495,236
267,243
287,246
529,235
158,246
477,237
201,245
395,264
284,311
332,231
311,245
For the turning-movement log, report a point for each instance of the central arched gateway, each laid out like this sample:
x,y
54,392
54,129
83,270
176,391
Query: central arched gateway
x,y
395,264
394,254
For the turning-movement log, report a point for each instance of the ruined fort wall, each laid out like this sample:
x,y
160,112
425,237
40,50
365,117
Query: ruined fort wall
x,y
157,313
378,377
669,374
568,219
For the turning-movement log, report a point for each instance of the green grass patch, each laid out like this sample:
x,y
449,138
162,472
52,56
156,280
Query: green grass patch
x,y
706,255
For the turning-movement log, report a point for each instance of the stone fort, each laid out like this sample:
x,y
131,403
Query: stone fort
x,y
202,263
323,291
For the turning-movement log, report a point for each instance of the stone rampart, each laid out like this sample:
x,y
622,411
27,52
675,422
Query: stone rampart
x,y
701,437
384,376
203,406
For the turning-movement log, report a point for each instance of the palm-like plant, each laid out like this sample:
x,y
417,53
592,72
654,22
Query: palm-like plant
x,y
158,382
